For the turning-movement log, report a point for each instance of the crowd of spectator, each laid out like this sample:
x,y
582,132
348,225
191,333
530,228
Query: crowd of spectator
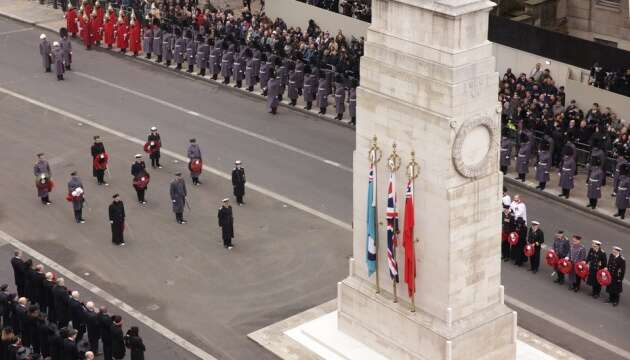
x,y
617,81
358,9
533,102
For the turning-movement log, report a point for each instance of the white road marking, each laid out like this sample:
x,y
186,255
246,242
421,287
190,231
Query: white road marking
x,y
198,352
570,328
15,31
260,189
216,122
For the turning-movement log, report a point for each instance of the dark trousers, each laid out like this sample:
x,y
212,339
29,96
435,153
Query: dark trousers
x,y
227,239
566,193
309,105
596,288
521,177
621,213
505,250
45,199
179,216
560,276
100,176
107,349
155,159
578,281
239,199
78,215
614,298
195,179
592,203
504,169
535,259
140,193
542,185
93,343
117,232
353,120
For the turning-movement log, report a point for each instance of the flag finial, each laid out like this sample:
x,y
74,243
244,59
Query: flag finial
x,y
413,169
375,153
393,161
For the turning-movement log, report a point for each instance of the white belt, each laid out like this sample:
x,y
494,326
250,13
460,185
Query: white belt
x,y
542,164
622,189
323,89
291,82
565,169
338,95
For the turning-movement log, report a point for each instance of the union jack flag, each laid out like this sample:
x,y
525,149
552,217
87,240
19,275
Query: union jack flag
x,y
392,228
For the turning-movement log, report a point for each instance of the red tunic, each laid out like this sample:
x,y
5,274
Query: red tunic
x,y
134,38
100,14
85,33
71,21
95,30
122,41
108,31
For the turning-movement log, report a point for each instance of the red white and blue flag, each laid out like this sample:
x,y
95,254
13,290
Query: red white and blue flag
x,y
392,228
408,243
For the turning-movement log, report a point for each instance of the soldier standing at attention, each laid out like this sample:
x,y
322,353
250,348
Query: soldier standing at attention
x,y
596,260
99,160
194,161
178,197
41,167
226,222
153,145
543,165
238,182
535,237
140,178
617,268
46,52
117,220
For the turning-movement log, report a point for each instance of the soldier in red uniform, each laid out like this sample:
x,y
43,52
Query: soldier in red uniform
x,y
122,41
135,30
95,29
108,29
71,20
86,36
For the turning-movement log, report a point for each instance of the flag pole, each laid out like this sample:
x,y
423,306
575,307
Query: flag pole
x,y
413,170
374,156
393,163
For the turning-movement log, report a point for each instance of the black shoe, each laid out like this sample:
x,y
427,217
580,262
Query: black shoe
x,y
616,215
557,281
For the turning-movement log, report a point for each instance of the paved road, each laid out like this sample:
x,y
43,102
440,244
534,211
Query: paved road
x,y
285,260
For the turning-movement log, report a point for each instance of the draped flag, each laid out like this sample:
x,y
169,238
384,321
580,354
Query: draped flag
x,y
392,228
371,222
408,243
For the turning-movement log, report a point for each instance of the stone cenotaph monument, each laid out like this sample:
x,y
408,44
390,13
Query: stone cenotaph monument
x,y
428,86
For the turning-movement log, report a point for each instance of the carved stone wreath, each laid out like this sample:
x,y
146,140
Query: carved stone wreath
x,y
478,136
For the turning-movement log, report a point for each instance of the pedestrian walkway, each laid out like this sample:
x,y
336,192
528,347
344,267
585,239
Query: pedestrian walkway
x,y
45,17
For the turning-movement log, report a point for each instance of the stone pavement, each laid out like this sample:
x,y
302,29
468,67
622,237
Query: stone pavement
x,y
45,17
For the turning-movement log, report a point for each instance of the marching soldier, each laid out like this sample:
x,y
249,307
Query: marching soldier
x,y
506,150
156,45
167,48
562,247
273,92
567,172
57,58
99,160
66,47
194,161
227,62
322,93
238,182
507,226
203,54
117,220
76,196
617,268
594,183
340,96
153,146
216,55
622,201
226,222
41,167
576,254
543,165
44,186
596,260
310,86
141,178
535,237
180,49
191,51
522,160
352,101
147,40
178,197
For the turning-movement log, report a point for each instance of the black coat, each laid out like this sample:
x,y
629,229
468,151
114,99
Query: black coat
x,y
47,295
70,351
118,342
226,221
617,268
77,313
238,181
596,261
138,168
136,346
18,271
105,323
117,212
56,345
93,325
61,300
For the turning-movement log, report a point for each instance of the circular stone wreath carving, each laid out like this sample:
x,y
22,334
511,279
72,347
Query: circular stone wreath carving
x,y
474,145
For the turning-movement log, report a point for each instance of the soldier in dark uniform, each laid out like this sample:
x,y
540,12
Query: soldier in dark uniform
x,y
594,182
340,96
323,92
178,197
238,182
622,200
97,149
263,73
140,178
157,40
577,253
507,226
352,101
517,250
596,260
76,192
203,54
561,246
506,150
543,165
147,40
226,222
117,220
194,153
191,51
535,237
167,48
154,137
41,167
215,59
567,171
179,51
273,92
310,86
227,63
522,159
617,174
617,268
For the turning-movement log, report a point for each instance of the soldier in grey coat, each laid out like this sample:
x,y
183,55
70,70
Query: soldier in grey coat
x,y
323,92
292,90
257,57
507,144
577,253
227,62
617,174
147,40
594,183
157,40
66,46
57,58
41,167
273,92
567,172
215,59
46,52
240,62
310,86
597,153
352,101
191,51
250,74
543,165
283,74
623,191
167,47
263,73
203,55
340,96
522,159
299,79
178,197
194,153
179,52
